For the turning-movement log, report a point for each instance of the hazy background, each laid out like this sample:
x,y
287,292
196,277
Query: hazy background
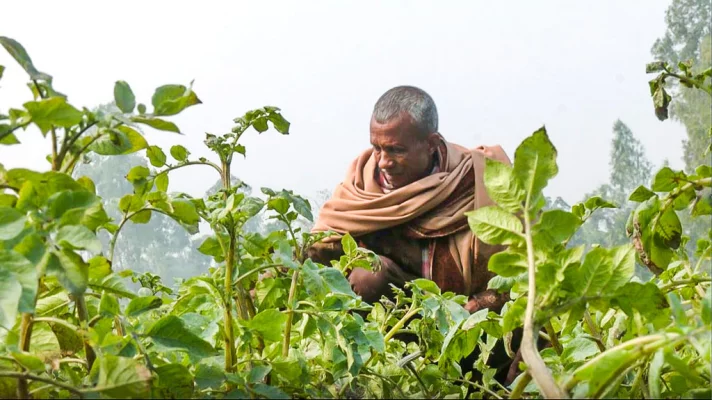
x,y
497,71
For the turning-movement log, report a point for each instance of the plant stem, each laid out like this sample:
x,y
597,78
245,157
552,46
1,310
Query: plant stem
x,y
401,322
594,331
188,163
25,336
479,386
56,321
258,269
637,381
553,338
83,315
230,356
290,314
537,368
521,385
698,289
685,282
73,160
68,143
24,376
8,133
55,165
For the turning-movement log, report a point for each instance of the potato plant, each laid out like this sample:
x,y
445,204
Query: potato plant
x,y
267,322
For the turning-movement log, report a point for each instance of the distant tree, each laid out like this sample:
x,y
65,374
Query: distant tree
x,y
629,169
687,38
160,246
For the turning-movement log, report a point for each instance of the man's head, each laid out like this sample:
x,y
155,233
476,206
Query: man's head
x,y
404,134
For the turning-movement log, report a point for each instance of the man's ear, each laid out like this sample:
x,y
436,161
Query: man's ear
x,y
433,141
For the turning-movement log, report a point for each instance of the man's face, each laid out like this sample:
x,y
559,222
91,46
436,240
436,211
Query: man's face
x,y
402,155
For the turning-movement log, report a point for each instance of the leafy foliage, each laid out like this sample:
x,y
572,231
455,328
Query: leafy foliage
x,y
265,321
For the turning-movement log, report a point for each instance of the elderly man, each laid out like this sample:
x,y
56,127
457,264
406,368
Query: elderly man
x,y
405,199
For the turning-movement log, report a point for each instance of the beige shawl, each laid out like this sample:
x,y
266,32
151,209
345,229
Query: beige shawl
x,y
431,207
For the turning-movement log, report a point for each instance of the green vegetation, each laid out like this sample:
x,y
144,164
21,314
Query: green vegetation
x,y
70,326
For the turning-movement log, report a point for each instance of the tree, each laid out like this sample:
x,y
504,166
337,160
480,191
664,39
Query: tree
x,y
629,169
687,38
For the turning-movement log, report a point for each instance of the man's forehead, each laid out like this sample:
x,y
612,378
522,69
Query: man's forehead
x,y
396,130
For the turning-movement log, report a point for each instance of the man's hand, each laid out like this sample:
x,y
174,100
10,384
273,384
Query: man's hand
x,y
489,299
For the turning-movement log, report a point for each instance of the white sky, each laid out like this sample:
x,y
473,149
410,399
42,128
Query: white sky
x,y
496,71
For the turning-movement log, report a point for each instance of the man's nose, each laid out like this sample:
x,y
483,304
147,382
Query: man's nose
x,y
385,162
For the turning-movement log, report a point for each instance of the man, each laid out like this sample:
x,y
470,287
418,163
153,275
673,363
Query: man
x,y
405,199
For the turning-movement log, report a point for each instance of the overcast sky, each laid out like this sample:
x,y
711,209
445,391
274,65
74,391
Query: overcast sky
x,y
496,70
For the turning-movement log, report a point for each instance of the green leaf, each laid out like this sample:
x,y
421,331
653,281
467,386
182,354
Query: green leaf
x,y
278,204
179,153
706,313
269,392
12,223
18,52
170,333
10,294
162,182
349,245
666,180
53,111
640,194
176,380
109,305
535,162
654,372
122,140
211,247
29,361
140,305
594,274
494,225
157,123
280,124
602,371
647,299
669,229
124,97
678,311
184,211
166,93
622,266
652,67
336,281
156,156
260,124
514,316
504,189
555,226
313,282
174,106
269,324
501,284
579,349
258,373
122,377
508,264
426,286
702,206
64,201
71,271
137,173
78,237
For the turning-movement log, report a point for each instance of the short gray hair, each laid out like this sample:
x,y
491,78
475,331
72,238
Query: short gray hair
x,y
412,100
